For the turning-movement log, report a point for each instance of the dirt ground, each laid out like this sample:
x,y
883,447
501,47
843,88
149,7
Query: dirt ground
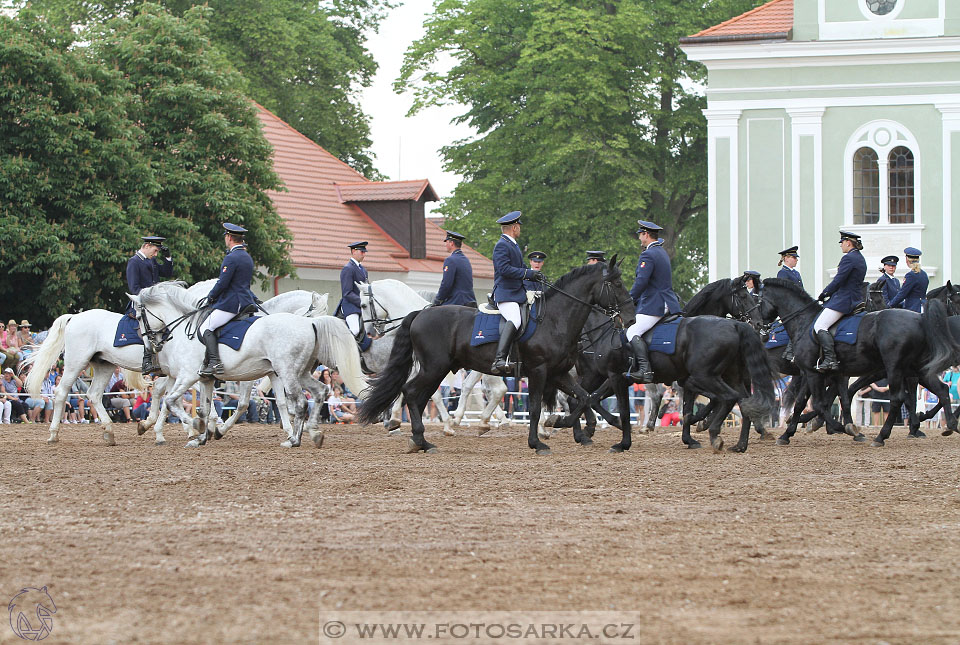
x,y
826,540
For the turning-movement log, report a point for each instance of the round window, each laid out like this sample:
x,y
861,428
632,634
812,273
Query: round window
x,y
881,7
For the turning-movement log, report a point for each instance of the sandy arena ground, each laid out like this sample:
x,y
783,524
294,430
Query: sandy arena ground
x,y
242,541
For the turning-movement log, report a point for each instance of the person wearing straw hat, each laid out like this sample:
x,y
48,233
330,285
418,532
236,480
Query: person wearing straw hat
x,y
509,273
653,293
456,286
845,292
228,296
788,265
891,286
143,270
913,293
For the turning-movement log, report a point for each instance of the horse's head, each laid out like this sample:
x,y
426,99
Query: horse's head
x,y
612,295
953,298
746,305
372,312
874,295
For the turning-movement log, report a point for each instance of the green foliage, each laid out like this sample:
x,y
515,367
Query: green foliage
x,y
587,119
304,61
139,132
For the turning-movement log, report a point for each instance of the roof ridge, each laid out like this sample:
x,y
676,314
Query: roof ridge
x,y
705,32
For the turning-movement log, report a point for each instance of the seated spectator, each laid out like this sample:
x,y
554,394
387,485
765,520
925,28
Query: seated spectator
x,y
116,376
121,399
12,407
273,412
668,411
27,339
79,389
335,404
141,405
10,344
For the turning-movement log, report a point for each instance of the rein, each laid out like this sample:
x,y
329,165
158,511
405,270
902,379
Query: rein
x,y
164,332
378,323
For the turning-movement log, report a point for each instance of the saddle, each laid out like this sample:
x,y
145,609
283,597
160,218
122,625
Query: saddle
x,y
490,308
247,312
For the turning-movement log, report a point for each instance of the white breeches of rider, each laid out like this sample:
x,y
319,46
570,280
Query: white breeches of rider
x,y
510,311
353,323
644,322
826,319
216,320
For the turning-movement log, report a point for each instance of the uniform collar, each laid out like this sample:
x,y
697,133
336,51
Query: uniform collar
x,y
657,242
142,256
354,260
455,251
237,246
509,238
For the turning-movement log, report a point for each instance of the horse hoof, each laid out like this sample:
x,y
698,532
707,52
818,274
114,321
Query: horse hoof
x,y
783,441
544,451
718,446
876,443
108,439
412,446
396,432
141,428
160,442
860,438
482,431
616,448
947,433
586,442
391,424
318,439
217,434
551,421
543,436
737,448
851,429
287,444
449,432
693,445
919,434
432,450
53,440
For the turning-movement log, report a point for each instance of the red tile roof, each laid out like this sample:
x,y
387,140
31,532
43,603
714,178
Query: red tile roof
x,y
385,191
771,20
322,224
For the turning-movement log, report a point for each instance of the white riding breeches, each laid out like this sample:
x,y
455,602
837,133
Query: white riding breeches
x,y
644,322
510,311
216,320
353,323
826,319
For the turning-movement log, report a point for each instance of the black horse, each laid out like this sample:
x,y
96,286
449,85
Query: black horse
x,y
901,343
439,339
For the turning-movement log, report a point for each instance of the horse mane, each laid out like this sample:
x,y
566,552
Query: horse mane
x,y
576,273
933,293
788,285
707,295
173,292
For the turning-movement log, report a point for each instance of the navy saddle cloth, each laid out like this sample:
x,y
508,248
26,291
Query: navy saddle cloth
x,y
663,336
486,328
778,336
128,332
233,332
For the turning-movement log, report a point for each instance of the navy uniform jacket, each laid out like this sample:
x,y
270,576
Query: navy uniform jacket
x,y
653,287
890,287
144,272
846,288
350,292
456,287
509,272
232,291
913,292
787,273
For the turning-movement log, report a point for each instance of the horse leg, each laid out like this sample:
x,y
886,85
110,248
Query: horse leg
x,y
685,437
416,392
101,375
591,421
444,414
159,387
896,400
284,409
822,402
654,399
202,403
621,387
392,425
536,380
244,389
469,382
70,374
318,391
798,404
846,405
495,389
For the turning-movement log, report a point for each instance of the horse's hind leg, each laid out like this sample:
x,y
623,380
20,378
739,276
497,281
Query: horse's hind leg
x,y
654,398
101,375
623,403
416,392
244,390
318,391
71,371
495,390
688,419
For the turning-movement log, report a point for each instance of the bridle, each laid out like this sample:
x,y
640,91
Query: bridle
x,y
379,324
612,311
159,337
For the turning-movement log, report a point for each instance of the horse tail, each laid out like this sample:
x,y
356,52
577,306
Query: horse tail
x,y
336,346
791,392
134,380
760,404
386,386
942,348
45,357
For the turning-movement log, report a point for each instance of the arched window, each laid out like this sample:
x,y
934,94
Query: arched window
x,y
866,187
900,163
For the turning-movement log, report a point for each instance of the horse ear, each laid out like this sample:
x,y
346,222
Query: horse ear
x,y
949,285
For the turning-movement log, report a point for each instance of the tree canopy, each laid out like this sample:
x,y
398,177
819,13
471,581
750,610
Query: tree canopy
x,y
304,61
588,119
140,131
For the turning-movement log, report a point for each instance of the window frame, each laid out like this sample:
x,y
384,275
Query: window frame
x,y
882,136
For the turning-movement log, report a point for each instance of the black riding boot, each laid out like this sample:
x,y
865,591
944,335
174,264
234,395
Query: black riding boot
x,y
500,365
150,364
212,364
828,363
640,369
788,352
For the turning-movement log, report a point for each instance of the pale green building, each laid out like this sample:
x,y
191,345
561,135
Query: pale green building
x,y
833,114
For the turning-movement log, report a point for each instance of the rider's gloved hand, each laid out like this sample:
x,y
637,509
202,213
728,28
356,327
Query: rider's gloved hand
x,y
538,276
165,250
436,303
823,296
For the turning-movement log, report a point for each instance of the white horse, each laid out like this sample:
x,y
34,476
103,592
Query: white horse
x,y
299,302
384,304
283,344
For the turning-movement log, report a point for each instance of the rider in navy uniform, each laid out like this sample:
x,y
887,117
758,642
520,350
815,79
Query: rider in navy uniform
x,y
536,263
890,284
144,271
845,292
595,256
654,296
913,293
351,273
456,287
787,264
508,292
752,282
228,297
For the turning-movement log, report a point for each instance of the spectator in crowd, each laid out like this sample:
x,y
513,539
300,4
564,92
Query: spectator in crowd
x,y
141,405
952,377
879,394
12,406
668,411
26,339
121,399
10,344
338,411
116,376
